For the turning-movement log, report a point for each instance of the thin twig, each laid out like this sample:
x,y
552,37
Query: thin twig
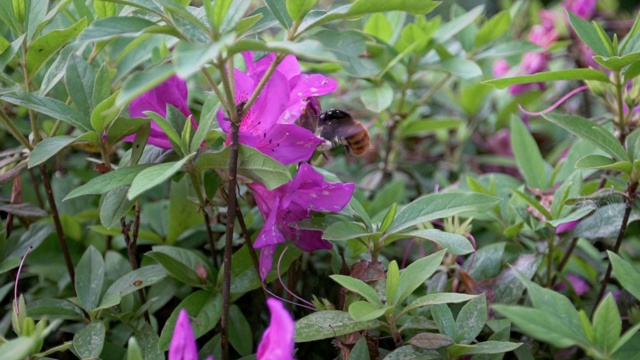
x,y
631,195
231,213
58,224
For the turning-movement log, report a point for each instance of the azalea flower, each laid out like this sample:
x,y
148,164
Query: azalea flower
x,y
583,8
183,344
269,125
566,227
579,285
172,91
277,341
284,206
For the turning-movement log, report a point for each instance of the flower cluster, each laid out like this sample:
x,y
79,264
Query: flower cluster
x,y
270,127
276,343
290,203
545,35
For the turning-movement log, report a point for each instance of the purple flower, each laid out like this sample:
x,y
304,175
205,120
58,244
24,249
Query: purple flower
x,y
172,91
500,68
269,124
566,227
183,344
284,206
500,143
277,341
583,8
579,285
532,63
543,36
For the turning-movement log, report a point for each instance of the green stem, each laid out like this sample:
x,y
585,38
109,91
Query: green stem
x,y
13,130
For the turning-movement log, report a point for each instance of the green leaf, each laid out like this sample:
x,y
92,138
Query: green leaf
x,y
54,108
591,132
388,217
89,278
427,126
104,8
362,7
132,281
626,274
416,274
527,155
79,79
19,9
8,54
360,351
379,26
359,287
365,311
107,182
377,99
471,319
443,318
104,113
181,263
603,163
297,9
18,348
47,148
393,277
345,230
279,10
122,127
540,324
616,63
534,203
494,28
89,341
115,27
251,163
45,46
440,205
312,50
607,325
565,74
239,327
462,68
184,212
204,309
588,33
154,176
453,243
191,57
485,347
556,304
133,350
451,28
328,324
437,298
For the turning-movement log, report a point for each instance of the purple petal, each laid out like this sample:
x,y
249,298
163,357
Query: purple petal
x,y
266,260
302,88
172,91
277,341
580,286
566,227
270,234
288,143
310,240
316,194
183,343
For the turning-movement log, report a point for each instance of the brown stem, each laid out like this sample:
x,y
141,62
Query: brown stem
x,y
391,134
58,224
231,214
210,236
631,195
132,244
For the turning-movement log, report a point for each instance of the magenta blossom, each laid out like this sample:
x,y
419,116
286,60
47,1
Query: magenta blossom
x,y
583,8
277,341
172,91
284,206
579,285
183,344
566,227
269,125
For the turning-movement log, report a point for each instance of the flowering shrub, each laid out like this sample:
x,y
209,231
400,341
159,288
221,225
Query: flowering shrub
x,y
415,179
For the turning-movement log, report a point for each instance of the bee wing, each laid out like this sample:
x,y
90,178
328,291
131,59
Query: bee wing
x,y
340,130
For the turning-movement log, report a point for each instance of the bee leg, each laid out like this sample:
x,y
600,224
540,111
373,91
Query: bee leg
x,y
326,145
